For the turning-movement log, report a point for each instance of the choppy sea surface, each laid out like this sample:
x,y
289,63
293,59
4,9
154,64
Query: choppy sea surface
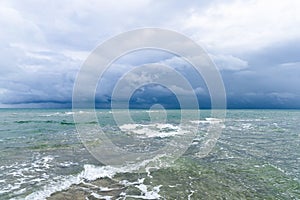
x,y
257,156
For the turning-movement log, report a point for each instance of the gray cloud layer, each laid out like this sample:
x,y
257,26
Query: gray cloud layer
x,y
255,44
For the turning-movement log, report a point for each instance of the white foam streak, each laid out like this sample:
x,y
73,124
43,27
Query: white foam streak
x,y
146,193
153,130
97,196
89,173
207,121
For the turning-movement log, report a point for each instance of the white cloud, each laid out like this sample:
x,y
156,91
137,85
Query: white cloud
x,y
229,62
240,26
290,65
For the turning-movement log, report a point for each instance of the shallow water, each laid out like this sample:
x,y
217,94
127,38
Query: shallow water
x,y
256,156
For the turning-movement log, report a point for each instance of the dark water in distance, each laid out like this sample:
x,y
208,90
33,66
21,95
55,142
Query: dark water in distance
x,y
256,156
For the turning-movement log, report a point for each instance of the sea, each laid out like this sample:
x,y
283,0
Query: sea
x,y
256,155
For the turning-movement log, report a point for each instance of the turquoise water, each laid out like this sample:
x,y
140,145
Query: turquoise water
x,y
256,156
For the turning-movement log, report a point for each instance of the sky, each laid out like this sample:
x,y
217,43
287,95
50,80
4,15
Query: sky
x,y
254,44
